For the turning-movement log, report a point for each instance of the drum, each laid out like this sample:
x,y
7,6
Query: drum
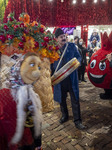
x,y
65,71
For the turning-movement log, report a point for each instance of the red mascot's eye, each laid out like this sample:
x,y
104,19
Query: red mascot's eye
x,y
93,63
102,66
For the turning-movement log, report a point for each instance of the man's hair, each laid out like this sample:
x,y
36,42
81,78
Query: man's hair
x,y
76,37
58,32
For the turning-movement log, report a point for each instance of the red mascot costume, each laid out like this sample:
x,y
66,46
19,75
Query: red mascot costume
x,y
100,69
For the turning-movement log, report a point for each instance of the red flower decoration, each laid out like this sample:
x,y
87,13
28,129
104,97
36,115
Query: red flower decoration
x,y
46,39
44,44
2,38
21,45
50,47
41,30
21,25
23,39
6,27
10,37
36,44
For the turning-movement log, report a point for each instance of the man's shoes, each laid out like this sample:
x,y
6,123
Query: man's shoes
x,y
63,119
79,81
38,148
84,80
105,96
80,126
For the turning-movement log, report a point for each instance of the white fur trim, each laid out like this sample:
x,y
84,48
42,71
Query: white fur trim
x,y
22,100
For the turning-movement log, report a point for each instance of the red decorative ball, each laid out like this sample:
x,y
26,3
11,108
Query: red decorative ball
x,y
23,39
41,30
21,45
2,38
36,44
46,39
21,25
6,27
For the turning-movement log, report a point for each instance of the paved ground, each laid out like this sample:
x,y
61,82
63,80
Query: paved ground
x,y
96,115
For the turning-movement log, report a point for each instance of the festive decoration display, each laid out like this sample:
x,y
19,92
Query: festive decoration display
x,y
19,38
63,14
23,36
99,69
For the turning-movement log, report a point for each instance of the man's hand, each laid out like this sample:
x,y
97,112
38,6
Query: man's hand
x,y
109,57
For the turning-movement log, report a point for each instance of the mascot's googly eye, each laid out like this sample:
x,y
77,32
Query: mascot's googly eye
x,y
32,64
102,66
93,63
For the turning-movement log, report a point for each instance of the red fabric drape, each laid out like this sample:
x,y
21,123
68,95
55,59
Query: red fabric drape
x,y
8,120
56,13
84,33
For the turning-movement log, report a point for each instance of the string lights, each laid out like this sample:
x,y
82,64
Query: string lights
x,y
74,1
95,1
83,1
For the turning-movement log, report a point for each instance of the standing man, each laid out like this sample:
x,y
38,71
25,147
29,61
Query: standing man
x,y
70,84
93,47
76,38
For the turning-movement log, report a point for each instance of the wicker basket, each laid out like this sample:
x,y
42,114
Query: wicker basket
x,y
44,88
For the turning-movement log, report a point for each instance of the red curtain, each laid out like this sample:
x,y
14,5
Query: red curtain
x,y
56,13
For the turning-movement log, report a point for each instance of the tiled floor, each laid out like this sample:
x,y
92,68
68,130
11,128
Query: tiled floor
x,y
96,115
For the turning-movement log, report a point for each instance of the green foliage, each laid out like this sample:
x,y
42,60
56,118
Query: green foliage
x,y
3,4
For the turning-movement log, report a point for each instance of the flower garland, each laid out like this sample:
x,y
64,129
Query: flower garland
x,y
22,37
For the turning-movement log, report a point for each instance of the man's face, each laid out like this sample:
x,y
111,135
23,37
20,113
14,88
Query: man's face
x,y
95,33
61,39
94,41
75,41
